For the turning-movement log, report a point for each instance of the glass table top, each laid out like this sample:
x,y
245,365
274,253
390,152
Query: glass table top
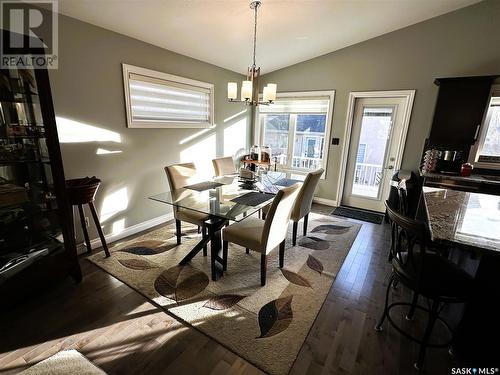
x,y
218,201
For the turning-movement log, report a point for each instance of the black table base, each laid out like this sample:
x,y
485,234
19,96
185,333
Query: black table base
x,y
214,226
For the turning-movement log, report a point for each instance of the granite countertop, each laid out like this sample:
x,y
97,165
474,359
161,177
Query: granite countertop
x,y
483,179
466,218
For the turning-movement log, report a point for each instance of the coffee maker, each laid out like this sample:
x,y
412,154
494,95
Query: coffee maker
x,y
449,161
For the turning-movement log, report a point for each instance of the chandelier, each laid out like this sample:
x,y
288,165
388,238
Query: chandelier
x,y
250,87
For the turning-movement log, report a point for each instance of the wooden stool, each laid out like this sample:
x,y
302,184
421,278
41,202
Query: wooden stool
x,y
82,191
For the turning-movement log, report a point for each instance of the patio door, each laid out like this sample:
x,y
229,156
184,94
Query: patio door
x,y
377,140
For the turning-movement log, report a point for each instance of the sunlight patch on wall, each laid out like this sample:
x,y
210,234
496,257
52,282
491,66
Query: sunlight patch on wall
x,y
235,137
195,135
103,151
236,115
201,153
118,226
71,131
114,203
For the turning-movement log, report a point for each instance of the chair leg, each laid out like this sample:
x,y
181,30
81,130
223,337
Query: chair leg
x,y
247,250
263,269
84,229
378,327
225,245
433,314
204,234
99,229
282,254
178,231
413,306
294,233
306,218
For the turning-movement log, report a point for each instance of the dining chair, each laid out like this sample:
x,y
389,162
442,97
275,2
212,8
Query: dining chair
x,y
224,166
179,176
263,236
426,274
302,206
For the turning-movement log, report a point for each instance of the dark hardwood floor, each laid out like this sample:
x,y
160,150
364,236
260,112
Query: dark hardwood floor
x,y
120,331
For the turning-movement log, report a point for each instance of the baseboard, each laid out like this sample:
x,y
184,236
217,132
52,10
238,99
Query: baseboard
x,y
327,202
129,231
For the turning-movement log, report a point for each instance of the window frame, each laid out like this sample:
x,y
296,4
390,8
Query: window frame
x,y
475,151
259,128
153,74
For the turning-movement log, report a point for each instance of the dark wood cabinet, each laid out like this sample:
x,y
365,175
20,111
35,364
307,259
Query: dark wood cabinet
x,y
460,108
37,244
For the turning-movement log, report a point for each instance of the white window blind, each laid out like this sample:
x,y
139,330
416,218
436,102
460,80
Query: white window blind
x,y
161,100
298,105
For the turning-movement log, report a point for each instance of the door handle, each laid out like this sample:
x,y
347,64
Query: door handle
x,y
389,167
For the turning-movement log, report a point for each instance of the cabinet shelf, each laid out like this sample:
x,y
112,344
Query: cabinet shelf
x,y
16,162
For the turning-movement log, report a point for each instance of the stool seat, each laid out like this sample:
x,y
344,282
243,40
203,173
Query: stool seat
x,y
438,279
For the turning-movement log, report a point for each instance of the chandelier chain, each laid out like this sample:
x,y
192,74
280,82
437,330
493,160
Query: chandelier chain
x,y
255,34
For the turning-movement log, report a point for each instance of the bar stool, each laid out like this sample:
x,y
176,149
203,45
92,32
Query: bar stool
x,y
82,191
426,274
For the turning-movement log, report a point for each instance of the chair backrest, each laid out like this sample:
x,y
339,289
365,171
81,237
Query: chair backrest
x,y
180,175
406,233
278,217
224,166
403,198
306,194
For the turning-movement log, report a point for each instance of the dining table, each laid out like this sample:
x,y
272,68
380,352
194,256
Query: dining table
x,y
470,221
225,199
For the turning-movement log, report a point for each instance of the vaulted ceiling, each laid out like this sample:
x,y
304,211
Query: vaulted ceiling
x,y
289,31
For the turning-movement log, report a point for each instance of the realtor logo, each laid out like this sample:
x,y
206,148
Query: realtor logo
x,y
32,26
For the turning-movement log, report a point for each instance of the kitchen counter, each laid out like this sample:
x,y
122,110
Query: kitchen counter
x,y
483,179
474,183
466,218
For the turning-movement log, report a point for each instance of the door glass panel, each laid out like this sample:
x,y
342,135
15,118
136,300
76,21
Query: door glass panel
x,y
276,136
309,140
371,149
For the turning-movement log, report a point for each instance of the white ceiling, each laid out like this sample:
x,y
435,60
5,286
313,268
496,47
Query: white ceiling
x,y
289,31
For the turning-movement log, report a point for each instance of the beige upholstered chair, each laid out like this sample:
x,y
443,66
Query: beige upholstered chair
x,y
303,203
224,166
180,175
264,235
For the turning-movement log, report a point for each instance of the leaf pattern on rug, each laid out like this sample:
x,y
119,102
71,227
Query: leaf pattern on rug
x,y
295,278
275,316
314,264
223,302
331,229
139,251
153,250
181,282
314,243
136,264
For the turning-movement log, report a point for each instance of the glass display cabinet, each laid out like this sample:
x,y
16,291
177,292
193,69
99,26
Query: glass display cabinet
x,y
37,245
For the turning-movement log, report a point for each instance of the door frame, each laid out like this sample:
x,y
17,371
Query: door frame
x,y
408,95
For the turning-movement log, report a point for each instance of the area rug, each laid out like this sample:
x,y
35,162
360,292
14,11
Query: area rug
x,y
265,325
64,363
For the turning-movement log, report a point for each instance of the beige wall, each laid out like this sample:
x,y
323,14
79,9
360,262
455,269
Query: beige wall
x,y
88,98
462,43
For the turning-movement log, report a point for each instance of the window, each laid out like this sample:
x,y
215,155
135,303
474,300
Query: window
x,y
486,151
159,100
296,127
